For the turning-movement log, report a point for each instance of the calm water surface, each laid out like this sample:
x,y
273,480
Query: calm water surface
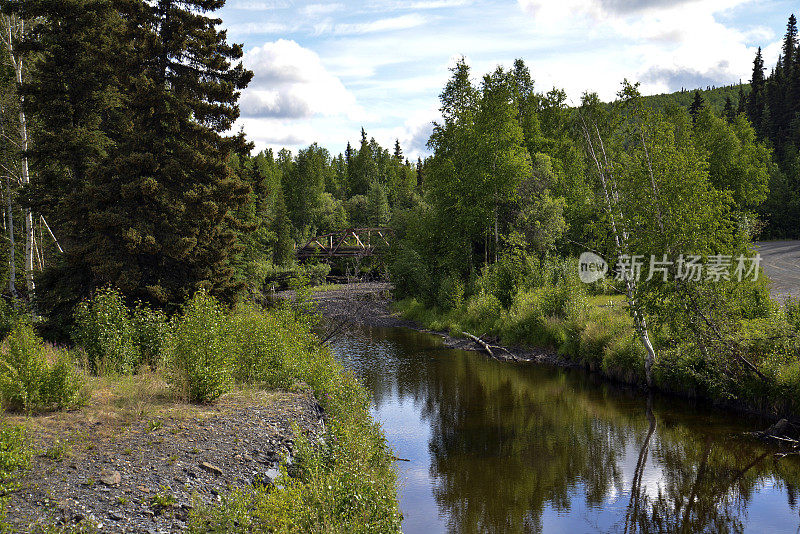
x,y
499,447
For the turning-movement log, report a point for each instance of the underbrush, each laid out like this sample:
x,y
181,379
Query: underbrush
x,y
346,483
35,376
597,332
342,482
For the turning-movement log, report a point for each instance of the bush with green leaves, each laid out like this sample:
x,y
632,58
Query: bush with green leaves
x,y
263,346
150,329
104,329
347,482
198,353
316,273
410,276
14,455
9,316
451,293
35,376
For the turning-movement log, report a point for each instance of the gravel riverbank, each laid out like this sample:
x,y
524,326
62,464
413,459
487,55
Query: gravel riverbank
x,y
108,469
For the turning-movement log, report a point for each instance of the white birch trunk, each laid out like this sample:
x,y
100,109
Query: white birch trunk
x,y
14,25
620,238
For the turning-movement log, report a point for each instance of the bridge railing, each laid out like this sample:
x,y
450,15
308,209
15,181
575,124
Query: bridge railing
x,y
347,243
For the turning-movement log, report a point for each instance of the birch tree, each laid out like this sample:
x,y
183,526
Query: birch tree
x,y
12,28
659,204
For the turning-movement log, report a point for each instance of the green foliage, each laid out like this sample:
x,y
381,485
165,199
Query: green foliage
x,y
9,317
131,149
541,222
14,455
451,293
264,346
316,273
34,376
198,351
378,209
409,275
344,484
150,329
104,329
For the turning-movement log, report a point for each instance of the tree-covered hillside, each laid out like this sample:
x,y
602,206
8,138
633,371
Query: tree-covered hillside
x,y
714,97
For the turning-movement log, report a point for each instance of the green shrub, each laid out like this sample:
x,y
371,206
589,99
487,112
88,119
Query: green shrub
x,y
263,347
34,376
198,352
9,316
505,278
103,327
149,333
14,455
451,293
316,273
482,314
623,359
347,482
410,276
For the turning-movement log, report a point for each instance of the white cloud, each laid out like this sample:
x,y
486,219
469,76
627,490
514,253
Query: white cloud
x,y
665,44
421,4
290,82
257,28
402,22
259,5
316,10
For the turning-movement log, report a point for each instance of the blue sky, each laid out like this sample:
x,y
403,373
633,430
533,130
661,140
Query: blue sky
x,y
324,70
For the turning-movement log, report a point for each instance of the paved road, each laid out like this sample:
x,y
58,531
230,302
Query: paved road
x,y
781,261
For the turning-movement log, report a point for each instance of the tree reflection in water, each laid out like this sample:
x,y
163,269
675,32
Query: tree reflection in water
x,y
512,446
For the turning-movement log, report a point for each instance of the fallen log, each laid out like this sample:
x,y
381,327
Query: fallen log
x,y
482,343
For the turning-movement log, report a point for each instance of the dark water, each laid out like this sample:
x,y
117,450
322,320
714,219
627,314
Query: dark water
x,y
499,447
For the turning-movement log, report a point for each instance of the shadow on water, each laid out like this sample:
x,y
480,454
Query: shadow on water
x,y
499,447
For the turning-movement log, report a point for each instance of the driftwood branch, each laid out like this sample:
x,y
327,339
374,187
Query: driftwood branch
x,y
488,348
482,343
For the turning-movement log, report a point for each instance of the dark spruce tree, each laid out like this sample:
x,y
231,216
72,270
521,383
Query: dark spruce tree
x,y
755,100
696,106
140,193
728,112
75,94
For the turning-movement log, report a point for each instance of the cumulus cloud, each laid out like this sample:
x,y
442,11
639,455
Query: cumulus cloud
x,y
290,82
676,43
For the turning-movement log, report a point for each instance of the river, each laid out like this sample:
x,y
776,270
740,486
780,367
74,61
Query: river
x,y
501,447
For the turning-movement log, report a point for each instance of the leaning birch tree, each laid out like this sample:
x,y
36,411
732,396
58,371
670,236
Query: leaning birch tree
x,y
660,206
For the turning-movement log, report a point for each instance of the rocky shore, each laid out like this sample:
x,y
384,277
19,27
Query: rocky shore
x,y
105,470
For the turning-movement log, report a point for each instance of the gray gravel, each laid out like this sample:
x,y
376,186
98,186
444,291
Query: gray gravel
x,y
146,476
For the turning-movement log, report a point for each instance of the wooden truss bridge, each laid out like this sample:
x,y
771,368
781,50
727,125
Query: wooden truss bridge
x,y
352,243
